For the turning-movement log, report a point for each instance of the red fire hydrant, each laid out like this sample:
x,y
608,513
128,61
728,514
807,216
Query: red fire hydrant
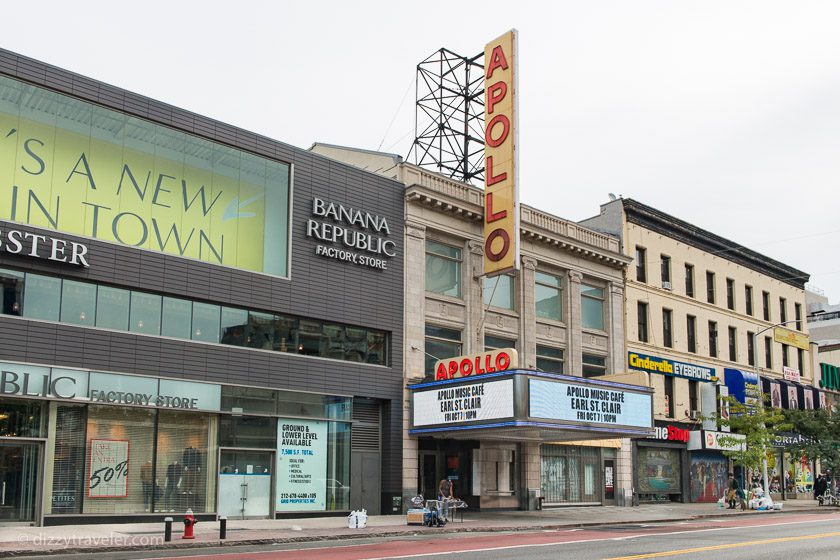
x,y
189,523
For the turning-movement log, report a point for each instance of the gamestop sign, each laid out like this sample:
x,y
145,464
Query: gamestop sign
x,y
476,364
501,203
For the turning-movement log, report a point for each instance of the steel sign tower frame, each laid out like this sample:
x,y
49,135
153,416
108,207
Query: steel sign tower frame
x,y
449,115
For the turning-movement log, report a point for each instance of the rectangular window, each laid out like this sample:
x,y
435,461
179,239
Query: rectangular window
x,y
548,296
748,299
496,342
782,310
667,328
642,321
666,271
206,322
499,292
443,269
765,304
693,395
11,297
691,332
145,313
592,307
730,294
785,357
689,280
112,306
641,264
733,344
713,335
550,359
42,297
751,348
78,303
800,357
768,352
710,286
669,396
177,318
594,366
797,314
441,343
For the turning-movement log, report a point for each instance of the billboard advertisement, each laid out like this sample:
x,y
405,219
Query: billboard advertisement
x,y
71,166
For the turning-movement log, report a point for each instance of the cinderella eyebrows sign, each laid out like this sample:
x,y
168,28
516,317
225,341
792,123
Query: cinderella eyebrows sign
x,y
69,166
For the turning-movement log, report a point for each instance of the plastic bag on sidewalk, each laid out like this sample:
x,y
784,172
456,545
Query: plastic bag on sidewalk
x,y
357,519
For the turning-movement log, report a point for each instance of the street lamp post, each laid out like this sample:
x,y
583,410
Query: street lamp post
x,y
758,382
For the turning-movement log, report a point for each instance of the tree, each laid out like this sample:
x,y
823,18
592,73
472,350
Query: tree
x,y
758,424
820,431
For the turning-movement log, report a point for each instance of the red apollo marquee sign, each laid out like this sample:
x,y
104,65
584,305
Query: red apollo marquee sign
x,y
476,364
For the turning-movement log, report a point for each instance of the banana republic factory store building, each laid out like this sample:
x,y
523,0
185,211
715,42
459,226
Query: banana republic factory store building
x,y
192,316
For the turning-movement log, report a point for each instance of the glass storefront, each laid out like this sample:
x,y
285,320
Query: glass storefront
x,y
126,459
570,474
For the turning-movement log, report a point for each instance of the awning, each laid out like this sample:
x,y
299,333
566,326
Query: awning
x,y
528,405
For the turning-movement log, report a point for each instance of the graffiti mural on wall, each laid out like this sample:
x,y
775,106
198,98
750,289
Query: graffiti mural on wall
x,y
708,477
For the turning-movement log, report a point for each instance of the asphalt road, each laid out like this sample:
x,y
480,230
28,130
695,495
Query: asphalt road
x,y
788,537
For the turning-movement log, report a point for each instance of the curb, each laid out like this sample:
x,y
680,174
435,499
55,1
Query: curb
x,y
414,531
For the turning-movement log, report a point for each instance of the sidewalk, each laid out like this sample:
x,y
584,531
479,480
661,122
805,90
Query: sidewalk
x,y
20,541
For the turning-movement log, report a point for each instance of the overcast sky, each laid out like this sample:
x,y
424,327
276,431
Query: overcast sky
x,y
723,113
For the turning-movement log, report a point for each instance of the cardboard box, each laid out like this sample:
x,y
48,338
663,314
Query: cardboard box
x,y
416,516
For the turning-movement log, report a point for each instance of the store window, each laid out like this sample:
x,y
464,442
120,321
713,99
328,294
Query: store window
x,y
257,432
443,269
548,296
550,359
185,473
120,441
234,326
69,453
42,297
594,366
78,303
441,343
11,296
499,292
570,474
19,418
592,307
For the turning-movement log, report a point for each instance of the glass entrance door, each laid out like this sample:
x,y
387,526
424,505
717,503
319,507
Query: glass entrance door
x,y
245,484
19,469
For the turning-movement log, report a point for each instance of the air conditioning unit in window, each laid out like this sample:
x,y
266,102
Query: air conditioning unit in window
x,y
694,415
667,285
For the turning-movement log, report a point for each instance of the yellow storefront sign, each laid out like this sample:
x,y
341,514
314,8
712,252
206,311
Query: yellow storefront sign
x,y
501,203
69,166
791,338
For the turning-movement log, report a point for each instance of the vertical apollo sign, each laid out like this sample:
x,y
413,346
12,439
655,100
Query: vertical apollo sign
x,y
501,204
